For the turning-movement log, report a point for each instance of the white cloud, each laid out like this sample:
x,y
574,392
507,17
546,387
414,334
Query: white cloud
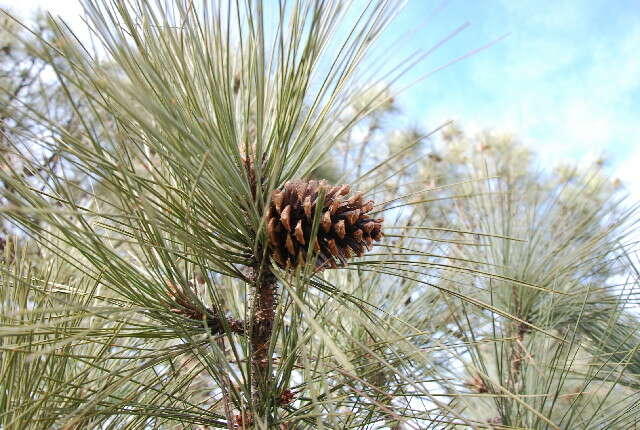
x,y
629,174
69,10
561,81
64,8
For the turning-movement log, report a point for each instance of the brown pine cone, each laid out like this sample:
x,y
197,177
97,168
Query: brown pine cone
x,y
345,229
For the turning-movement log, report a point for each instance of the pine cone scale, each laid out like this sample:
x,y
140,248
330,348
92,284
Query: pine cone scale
x,y
285,217
300,233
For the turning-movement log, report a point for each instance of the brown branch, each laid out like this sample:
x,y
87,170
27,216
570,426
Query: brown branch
x,y
217,324
261,326
517,355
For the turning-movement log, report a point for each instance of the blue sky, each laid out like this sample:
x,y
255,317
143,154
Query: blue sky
x,y
566,79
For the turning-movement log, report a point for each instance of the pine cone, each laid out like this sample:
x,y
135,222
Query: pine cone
x,y
345,229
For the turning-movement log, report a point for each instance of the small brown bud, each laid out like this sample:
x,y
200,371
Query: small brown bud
x,y
286,397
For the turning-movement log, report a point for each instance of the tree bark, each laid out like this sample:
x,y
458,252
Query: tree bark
x,y
261,326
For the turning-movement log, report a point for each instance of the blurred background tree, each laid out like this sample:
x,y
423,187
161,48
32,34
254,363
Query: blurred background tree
x,y
503,295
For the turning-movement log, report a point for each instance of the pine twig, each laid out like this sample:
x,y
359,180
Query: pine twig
x,y
216,323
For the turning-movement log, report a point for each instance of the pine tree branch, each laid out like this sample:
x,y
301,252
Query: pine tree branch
x,y
261,327
216,324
